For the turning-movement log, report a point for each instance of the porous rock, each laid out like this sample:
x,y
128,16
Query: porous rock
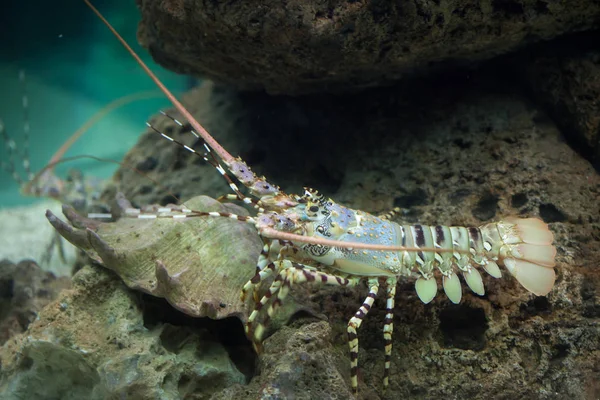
x,y
24,290
303,46
567,84
459,150
298,364
94,343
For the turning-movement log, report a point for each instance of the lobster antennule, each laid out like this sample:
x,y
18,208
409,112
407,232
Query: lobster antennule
x,y
531,256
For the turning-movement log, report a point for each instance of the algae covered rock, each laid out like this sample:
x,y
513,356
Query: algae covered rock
x,y
298,363
24,290
95,342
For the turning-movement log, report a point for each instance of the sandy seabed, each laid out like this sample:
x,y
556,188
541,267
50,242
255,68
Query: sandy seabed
x,y
25,233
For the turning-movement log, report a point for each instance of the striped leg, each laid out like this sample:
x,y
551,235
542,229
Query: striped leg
x,y
255,281
388,328
273,289
248,200
276,300
263,270
390,214
290,273
299,274
354,324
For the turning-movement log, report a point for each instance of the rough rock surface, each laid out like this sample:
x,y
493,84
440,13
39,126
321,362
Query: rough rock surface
x,y
302,46
24,290
459,150
297,363
97,342
568,85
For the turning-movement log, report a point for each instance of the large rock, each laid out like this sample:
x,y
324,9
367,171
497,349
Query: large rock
x,y
567,84
25,289
298,363
303,46
97,342
460,150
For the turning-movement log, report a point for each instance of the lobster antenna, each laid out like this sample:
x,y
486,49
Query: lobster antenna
x,y
121,101
213,162
275,234
227,158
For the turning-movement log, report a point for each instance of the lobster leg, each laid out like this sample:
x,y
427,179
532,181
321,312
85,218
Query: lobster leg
x,y
390,214
291,273
263,270
255,335
388,328
245,199
354,324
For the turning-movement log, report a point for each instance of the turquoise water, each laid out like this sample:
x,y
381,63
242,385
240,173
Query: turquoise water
x,y
74,67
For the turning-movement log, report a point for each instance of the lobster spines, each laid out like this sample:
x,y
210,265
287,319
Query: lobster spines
x,y
271,197
259,186
528,253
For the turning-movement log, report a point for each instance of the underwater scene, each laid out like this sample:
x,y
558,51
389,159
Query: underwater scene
x,y
300,200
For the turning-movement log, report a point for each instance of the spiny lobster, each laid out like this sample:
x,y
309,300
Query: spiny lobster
x,y
310,238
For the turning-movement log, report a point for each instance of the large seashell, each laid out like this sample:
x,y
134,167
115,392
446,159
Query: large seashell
x,y
198,264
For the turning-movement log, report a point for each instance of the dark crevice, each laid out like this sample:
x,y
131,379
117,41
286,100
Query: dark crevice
x,y
550,213
486,206
463,327
228,331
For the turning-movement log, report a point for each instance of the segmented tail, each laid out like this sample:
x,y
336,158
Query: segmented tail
x,y
527,252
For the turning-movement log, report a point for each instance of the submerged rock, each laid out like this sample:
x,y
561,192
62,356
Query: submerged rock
x,y
94,343
567,83
297,364
24,290
307,46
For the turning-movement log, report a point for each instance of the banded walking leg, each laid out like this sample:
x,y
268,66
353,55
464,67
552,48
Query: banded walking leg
x,y
388,328
354,324
299,273
264,267
390,214
248,200
291,273
263,270
273,289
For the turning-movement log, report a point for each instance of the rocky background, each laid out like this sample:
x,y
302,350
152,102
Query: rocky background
x,y
459,112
